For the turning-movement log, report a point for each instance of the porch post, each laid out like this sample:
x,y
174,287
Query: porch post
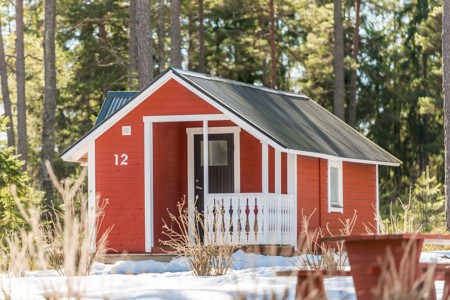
x,y
148,185
277,171
292,190
265,167
205,162
265,190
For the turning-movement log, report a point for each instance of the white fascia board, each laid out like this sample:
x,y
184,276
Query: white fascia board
x,y
80,149
262,137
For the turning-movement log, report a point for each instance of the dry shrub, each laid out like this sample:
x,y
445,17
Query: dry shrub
x,y
67,244
401,283
317,255
397,223
206,256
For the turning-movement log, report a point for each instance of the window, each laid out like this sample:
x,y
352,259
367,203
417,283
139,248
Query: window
x,y
335,189
218,153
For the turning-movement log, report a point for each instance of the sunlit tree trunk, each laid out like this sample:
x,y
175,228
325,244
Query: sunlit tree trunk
x,y
201,39
352,112
175,35
273,53
161,56
5,92
446,86
144,43
22,143
132,47
338,65
50,93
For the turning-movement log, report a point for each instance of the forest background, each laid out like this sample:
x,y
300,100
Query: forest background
x,y
377,64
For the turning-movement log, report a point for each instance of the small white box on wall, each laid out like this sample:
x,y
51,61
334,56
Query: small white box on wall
x,y
126,130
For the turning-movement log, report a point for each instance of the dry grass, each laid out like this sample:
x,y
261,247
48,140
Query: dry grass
x,y
68,244
397,222
206,256
317,255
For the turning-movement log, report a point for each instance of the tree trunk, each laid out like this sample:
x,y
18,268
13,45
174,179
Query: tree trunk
x,y
338,65
201,39
132,47
145,43
5,92
273,54
161,58
22,147
446,86
48,121
191,50
175,35
352,112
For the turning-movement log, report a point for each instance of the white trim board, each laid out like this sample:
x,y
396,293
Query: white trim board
x,y
148,186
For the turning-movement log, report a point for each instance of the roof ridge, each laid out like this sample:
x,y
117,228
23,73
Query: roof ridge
x,y
240,83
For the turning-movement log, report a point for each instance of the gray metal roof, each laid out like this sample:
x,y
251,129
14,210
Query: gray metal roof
x,y
293,120
113,102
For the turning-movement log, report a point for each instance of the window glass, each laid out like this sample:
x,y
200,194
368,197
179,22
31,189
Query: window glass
x,y
334,186
218,153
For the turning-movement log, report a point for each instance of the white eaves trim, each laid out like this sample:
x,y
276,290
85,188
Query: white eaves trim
x,y
80,149
250,129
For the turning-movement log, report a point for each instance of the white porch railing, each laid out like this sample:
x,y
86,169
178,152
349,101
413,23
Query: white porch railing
x,y
250,219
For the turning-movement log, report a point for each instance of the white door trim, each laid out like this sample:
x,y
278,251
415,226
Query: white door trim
x,y
148,186
235,130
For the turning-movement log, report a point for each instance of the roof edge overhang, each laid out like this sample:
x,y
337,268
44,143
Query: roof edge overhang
x,y
75,152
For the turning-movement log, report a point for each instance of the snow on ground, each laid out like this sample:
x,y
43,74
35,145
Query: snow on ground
x,y
252,276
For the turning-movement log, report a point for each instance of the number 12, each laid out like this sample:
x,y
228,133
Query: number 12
x,y
123,162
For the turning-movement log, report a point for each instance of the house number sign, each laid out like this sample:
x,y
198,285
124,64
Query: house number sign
x,y
120,160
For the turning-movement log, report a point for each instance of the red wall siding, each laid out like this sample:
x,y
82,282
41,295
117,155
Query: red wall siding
x,y
308,191
359,194
271,170
123,186
359,184
167,172
250,163
283,173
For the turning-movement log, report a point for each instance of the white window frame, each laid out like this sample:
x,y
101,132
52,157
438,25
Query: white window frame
x,y
338,165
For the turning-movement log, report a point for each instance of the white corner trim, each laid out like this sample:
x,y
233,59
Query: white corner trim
x,y
292,190
92,195
336,164
277,172
205,161
148,186
265,167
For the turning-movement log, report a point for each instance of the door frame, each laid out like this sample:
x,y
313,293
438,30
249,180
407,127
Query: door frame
x,y
235,130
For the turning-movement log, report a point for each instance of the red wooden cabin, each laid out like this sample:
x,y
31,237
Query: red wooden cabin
x,y
272,156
